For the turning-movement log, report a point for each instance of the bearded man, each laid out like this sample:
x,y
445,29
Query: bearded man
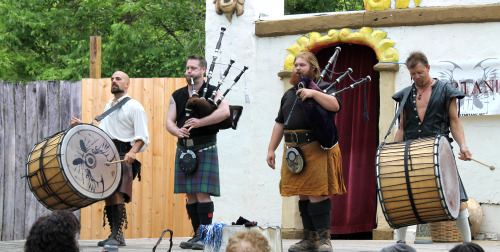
x,y
321,175
196,135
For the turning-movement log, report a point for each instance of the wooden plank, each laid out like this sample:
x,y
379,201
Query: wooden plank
x,y
21,157
135,216
101,88
65,99
158,191
31,139
53,116
76,99
147,159
9,164
86,213
95,57
43,128
3,86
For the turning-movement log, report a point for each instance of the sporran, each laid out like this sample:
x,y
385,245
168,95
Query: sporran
x,y
187,161
295,159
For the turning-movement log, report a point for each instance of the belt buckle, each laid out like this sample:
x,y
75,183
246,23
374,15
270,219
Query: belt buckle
x,y
189,142
296,140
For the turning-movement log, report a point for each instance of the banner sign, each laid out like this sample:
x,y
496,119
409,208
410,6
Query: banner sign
x,y
478,80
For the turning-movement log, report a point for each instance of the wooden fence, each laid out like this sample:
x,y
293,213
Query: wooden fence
x,y
32,112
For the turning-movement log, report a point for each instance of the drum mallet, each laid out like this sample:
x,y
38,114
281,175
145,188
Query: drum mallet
x,y
114,162
491,166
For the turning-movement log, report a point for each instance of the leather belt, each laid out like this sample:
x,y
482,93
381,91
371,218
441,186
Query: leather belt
x,y
298,138
189,142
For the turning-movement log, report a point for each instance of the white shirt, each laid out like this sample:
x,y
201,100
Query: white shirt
x,y
128,123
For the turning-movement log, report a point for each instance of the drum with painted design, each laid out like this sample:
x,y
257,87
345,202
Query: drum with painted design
x,y
68,170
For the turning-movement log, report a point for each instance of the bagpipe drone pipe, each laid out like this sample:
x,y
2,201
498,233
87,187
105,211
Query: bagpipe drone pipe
x,y
199,106
322,121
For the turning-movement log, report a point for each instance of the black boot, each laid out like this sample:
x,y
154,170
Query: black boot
x,y
320,215
309,240
107,213
119,219
192,210
205,213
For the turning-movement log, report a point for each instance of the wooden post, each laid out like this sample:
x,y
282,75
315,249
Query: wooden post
x,y
95,57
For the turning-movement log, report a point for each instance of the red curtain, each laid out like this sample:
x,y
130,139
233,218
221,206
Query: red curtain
x,y
356,211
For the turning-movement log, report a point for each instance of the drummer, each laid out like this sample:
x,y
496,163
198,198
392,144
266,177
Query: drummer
x,y
437,101
128,128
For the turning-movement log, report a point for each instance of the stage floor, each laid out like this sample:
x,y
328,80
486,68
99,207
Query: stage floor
x,y
147,244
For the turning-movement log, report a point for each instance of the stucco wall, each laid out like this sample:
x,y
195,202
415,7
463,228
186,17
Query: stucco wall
x,y
249,187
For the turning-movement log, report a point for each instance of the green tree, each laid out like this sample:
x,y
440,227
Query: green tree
x,y
315,6
49,39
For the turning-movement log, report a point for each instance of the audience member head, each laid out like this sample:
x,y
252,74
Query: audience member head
x,y
248,241
468,247
53,233
399,247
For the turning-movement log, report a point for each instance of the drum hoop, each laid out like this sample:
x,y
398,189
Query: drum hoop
x,y
70,179
442,195
27,170
40,159
379,191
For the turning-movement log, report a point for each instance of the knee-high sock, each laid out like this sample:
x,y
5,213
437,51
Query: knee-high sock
x,y
304,214
463,225
320,213
401,234
192,210
205,212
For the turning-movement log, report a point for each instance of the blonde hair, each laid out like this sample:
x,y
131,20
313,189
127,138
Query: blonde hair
x,y
248,241
313,62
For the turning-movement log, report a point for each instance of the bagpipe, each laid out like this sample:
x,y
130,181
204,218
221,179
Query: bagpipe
x,y
199,106
322,121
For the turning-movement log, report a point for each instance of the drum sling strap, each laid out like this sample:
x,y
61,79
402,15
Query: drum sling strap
x,y
406,156
117,106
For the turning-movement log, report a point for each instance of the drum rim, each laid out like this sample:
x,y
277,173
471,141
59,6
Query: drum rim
x,y
439,179
379,191
64,142
28,181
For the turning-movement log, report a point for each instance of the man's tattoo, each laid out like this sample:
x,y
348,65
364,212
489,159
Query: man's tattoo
x,y
171,105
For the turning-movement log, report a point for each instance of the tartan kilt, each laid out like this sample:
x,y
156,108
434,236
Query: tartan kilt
x,y
206,177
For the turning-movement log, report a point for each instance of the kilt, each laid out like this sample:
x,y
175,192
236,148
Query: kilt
x,y
321,176
127,179
126,182
206,177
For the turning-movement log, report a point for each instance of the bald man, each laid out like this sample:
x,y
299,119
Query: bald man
x,y
128,128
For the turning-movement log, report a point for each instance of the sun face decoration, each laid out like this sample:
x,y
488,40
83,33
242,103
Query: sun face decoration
x,y
376,39
228,7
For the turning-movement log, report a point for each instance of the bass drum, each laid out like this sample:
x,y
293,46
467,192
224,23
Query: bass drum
x,y
68,170
417,182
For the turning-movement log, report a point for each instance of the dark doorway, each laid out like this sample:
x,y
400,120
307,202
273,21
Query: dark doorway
x,y
355,212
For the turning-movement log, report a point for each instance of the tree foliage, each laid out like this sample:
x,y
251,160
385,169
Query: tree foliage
x,y
315,6
50,39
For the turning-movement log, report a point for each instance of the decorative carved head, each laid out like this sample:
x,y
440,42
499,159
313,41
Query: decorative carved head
x,y
227,7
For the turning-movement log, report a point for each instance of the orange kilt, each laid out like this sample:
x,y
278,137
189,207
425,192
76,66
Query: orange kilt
x,y
322,175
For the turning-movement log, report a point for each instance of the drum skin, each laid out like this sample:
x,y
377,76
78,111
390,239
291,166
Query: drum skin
x,y
427,191
68,170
